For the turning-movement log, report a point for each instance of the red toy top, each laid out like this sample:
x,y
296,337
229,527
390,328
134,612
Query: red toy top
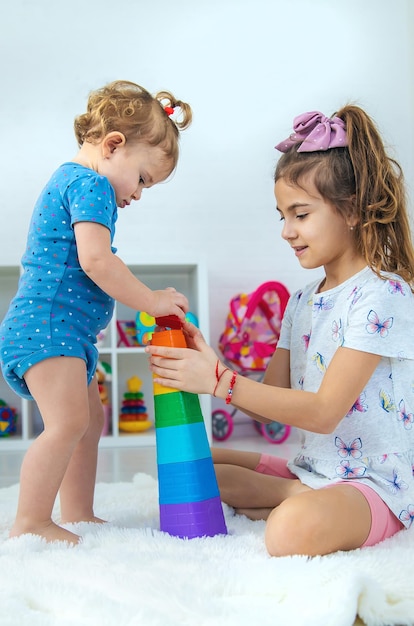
x,y
169,321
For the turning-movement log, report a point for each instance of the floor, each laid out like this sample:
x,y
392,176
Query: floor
x,y
121,464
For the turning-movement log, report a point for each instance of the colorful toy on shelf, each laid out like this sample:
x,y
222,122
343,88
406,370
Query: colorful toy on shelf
x,y
134,417
191,317
126,334
8,419
146,325
189,498
104,376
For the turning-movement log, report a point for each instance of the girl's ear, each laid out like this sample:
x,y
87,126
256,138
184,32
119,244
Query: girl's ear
x,y
111,142
352,219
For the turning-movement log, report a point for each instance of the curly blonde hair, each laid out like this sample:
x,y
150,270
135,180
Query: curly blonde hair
x,y
130,109
361,180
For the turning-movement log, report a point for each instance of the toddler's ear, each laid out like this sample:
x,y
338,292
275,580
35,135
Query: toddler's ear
x,y
112,141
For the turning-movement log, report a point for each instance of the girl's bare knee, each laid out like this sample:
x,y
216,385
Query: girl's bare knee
x,y
289,530
70,427
91,428
75,431
280,531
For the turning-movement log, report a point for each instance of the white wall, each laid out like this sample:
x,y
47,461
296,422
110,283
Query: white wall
x,y
247,67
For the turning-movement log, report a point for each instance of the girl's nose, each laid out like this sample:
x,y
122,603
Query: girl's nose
x,y
137,194
288,231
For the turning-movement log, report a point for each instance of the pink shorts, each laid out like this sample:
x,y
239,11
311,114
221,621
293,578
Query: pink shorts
x,y
384,524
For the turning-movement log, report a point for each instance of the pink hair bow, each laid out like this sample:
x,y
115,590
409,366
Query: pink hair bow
x,y
313,131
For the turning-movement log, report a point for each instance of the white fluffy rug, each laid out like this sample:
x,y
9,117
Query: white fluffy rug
x,y
128,573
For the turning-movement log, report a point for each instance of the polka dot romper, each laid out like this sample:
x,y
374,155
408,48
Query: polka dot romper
x,y
58,310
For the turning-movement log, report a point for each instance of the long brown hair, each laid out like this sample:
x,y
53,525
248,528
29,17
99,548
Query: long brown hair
x,y
361,180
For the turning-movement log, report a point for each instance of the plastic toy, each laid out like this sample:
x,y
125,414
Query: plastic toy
x,y
126,333
223,425
190,317
8,419
189,498
146,325
247,343
104,376
134,417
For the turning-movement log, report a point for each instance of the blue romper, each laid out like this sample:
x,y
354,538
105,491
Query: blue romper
x,y
58,310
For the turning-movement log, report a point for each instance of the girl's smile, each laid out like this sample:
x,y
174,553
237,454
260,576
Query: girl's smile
x,y
299,250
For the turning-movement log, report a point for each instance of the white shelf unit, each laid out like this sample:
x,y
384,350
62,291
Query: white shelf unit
x,y
190,278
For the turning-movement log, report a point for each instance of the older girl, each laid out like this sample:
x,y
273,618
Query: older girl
x,y
343,371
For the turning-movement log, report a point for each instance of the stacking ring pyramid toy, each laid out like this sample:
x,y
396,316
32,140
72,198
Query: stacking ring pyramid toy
x,y
189,497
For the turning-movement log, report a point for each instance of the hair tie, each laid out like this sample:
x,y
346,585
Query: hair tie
x,y
314,131
169,110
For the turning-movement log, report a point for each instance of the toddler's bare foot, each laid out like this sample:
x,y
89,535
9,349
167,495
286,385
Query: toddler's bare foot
x,y
50,531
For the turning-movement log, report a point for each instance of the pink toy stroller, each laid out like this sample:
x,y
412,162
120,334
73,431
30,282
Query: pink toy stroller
x,y
247,344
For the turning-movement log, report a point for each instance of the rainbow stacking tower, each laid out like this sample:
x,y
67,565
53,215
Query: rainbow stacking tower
x,y
189,498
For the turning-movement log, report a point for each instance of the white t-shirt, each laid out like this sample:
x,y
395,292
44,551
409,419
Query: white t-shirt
x,y
374,442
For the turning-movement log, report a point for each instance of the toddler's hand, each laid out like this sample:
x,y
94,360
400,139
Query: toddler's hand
x,y
169,301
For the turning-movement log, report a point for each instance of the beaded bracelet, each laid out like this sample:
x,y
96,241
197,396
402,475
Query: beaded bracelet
x,y
218,378
231,386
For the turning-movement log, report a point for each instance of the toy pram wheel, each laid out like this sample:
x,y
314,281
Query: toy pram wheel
x,y
275,432
222,424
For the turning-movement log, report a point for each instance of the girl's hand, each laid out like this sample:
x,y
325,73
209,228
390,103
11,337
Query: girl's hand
x,y
189,369
169,302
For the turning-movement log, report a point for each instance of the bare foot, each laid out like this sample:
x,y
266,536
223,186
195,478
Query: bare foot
x,y
50,531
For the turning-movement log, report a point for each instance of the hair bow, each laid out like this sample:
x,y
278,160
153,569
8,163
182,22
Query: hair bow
x,y
314,131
